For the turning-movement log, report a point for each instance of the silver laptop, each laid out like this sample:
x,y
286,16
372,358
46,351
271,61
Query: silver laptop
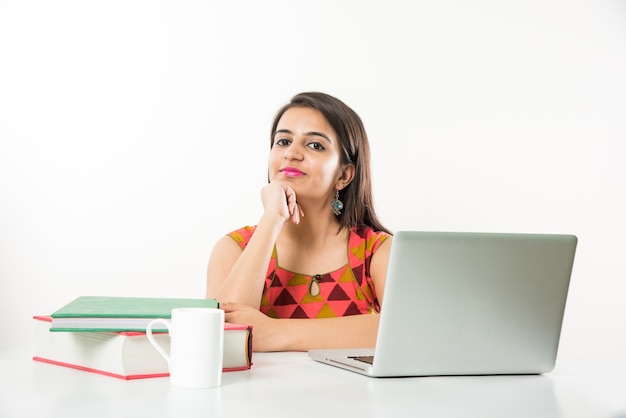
x,y
467,304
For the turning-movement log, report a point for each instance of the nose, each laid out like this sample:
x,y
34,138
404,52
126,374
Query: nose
x,y
293,152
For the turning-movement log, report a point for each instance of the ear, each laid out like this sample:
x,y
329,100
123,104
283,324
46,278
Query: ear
x,y
346,176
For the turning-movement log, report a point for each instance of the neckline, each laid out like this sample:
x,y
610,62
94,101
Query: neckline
x,y
346,265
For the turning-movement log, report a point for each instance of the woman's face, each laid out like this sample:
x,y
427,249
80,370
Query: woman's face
x,y
305,154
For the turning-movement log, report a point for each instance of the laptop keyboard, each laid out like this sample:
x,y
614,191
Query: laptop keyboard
x,y
364,359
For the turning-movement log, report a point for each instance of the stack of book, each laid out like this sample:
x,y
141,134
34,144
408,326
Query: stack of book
x,y
106,335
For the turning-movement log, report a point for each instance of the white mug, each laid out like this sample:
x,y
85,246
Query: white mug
x,y
197,347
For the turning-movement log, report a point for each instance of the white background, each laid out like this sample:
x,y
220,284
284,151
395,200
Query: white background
x,y
134,134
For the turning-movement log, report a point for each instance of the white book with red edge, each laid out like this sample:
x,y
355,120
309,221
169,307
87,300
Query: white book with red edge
x,y
127,355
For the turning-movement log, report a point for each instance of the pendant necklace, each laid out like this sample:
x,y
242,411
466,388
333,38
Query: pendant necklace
x,y
314,286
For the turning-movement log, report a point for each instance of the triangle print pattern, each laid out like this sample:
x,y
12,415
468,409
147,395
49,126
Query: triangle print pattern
x,y
346,291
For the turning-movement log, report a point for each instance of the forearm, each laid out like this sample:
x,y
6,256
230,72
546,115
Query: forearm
x,y
244,283
304,334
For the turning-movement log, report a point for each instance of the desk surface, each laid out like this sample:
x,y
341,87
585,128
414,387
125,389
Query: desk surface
x,y
290,384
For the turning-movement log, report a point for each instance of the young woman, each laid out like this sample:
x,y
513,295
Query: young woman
x,y
311,273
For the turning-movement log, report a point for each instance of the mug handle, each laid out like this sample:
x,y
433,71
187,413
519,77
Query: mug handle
x,y
154,343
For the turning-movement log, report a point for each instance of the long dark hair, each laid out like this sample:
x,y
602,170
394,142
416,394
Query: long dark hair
x,y
354,146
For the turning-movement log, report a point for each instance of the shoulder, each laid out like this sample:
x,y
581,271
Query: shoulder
x,y
242,235
367,236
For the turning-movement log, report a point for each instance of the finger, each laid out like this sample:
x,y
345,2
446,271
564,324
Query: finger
x,y
291,196
292,204
228,306
296,214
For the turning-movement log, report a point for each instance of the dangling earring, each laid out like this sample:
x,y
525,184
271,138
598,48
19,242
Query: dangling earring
x,y
336,204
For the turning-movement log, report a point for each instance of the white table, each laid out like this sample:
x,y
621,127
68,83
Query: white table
x,y
290,385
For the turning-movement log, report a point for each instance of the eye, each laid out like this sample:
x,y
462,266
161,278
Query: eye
x,y
282,142
316,146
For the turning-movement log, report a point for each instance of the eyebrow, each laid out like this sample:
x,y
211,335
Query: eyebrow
x,y
312,133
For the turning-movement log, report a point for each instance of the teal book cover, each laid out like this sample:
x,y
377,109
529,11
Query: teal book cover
x,y
115,313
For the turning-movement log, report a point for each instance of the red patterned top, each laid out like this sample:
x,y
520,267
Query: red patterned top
x,y
348,290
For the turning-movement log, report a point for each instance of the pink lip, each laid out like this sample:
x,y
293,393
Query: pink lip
x,y
291,172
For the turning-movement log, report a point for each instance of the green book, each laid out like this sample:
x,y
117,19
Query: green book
x,y
114,313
